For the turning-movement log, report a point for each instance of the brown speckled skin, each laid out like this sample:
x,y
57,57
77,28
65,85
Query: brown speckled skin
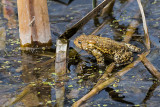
x,y
99,47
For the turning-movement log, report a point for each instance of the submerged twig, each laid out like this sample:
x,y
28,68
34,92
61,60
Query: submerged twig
x,y
101,26
41,64
131,29
28,89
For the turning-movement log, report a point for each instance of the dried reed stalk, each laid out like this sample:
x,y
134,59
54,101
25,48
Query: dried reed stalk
x,y
146,35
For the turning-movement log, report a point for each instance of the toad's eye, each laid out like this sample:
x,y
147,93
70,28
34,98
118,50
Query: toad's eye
x,y
79,42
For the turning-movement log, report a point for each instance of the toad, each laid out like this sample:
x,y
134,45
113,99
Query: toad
x,y
121,53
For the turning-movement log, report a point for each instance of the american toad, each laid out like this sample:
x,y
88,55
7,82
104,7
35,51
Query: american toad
x,y
121,53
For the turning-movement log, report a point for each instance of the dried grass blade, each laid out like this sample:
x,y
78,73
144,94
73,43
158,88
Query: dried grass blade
x,y
144,26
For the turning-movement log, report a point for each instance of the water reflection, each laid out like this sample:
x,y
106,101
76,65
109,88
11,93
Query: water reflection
x,y
35,96
38,76
9,13
117,96
151,91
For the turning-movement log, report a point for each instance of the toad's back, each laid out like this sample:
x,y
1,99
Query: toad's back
x,y
120,52
103,44
106,45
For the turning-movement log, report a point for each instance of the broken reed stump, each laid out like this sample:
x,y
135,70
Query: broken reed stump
x,y
61,59
60,70
34,24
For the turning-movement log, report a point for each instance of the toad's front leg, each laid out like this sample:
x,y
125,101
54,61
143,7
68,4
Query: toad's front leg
x,y
99,56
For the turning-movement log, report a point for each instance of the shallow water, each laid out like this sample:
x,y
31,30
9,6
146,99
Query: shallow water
x,y
20,69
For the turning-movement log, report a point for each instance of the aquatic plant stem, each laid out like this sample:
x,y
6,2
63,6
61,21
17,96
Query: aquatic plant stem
x,y
94,3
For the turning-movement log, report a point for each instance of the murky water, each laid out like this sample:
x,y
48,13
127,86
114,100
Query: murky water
x,y
30,77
